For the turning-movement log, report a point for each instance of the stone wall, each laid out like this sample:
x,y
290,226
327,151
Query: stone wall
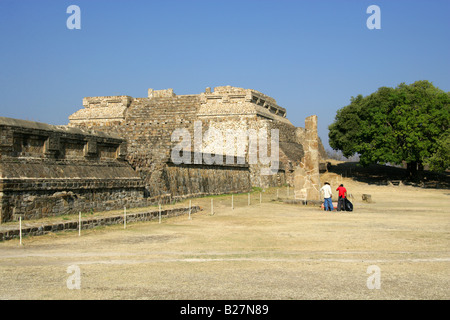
x,y
50,170
192,180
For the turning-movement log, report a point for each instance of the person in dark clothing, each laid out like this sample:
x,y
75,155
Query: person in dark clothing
x,y
341,199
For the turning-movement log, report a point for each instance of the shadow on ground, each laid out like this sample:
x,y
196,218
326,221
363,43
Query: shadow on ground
x,y
385,175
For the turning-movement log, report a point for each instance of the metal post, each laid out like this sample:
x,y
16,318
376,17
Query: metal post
x,y
124,217
20,229
79,223
160,213
189,209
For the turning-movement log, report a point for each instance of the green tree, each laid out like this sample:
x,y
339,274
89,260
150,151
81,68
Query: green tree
x,y
440,160
408,123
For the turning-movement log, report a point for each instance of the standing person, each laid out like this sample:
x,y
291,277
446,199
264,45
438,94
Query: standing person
x,y
327,194
342,195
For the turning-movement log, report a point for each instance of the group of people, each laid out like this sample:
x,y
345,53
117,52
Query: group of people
x,y
328,194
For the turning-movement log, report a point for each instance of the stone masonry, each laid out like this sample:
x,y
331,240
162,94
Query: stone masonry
x,y
148,123
119,151
50,170
306,174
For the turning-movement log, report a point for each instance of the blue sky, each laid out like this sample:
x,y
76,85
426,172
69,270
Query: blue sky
x,y
311,56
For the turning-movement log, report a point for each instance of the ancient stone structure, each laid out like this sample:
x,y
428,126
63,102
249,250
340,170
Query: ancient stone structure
x,y
148,124
50,170
120,150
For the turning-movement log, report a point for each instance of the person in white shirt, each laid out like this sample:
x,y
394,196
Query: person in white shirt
x,y
327,195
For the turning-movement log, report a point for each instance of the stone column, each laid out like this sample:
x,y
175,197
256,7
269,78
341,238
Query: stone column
x,y
312,156
306,177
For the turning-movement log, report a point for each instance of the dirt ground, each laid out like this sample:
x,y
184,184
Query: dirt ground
x,y
269,250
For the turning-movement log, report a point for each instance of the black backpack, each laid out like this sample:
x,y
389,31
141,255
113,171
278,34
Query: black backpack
x,y
348,205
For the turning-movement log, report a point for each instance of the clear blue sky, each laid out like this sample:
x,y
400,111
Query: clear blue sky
x,y
311,56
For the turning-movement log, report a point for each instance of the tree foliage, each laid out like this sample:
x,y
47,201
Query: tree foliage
x,y
408,123
440,160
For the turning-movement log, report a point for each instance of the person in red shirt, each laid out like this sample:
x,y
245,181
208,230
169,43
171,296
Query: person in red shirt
x,y
342,195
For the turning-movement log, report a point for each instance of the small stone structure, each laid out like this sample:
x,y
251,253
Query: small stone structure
x,y
367,198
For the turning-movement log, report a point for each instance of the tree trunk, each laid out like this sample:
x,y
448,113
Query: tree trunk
x,y
415,169
420,166
412,168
